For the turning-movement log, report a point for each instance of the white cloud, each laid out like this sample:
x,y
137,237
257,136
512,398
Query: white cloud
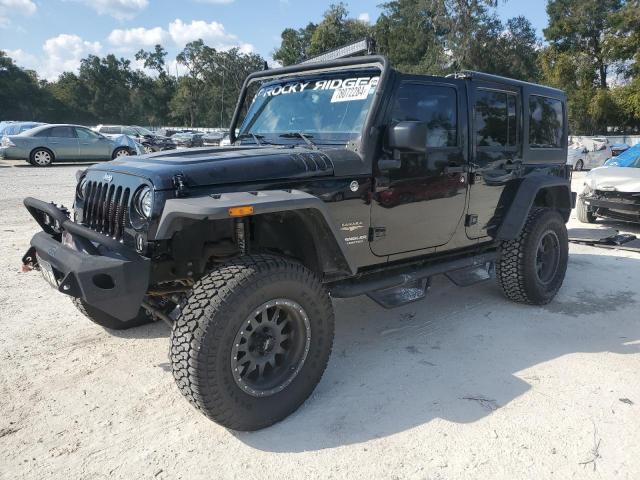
x,y
119,9
20,7
364,17
135,38
61,54
212,33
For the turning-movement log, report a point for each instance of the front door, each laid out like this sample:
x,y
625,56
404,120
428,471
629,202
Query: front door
x,y
420,203
92,146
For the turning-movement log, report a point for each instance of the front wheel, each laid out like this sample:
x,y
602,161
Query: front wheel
x,y
579,166
583,213
531,268
253,341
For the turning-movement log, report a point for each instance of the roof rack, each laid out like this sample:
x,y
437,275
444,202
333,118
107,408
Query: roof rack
x,y
366,45
472,74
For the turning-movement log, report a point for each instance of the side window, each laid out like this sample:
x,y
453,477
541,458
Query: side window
x,y
434,105
110,130
62,132
495,119
129,131
44,133
545,122
86,134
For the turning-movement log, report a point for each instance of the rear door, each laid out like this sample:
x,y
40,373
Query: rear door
x,y
92,146
64,143
420,204
496,140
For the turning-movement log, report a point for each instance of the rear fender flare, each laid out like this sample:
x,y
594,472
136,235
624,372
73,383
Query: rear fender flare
x,y
216,207
549,190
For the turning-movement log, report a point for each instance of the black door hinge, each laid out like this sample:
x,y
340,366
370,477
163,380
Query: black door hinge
x,y
179,185
377,232
470,220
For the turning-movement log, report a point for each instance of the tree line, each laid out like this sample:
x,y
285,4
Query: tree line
x,y
591,49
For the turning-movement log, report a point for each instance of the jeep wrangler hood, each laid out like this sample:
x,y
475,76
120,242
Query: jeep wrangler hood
x,y
217,166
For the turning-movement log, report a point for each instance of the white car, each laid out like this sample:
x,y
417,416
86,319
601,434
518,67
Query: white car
x,y
589,153
612,191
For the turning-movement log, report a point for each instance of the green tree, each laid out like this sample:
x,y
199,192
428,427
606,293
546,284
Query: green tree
x,y
20,95
294,45
584,27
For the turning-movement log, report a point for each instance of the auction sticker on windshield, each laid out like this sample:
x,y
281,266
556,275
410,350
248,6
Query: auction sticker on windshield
x,y
348,92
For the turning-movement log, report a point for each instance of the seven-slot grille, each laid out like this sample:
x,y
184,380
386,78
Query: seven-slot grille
x,y
106,208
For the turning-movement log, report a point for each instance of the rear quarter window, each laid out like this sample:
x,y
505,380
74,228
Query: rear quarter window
x,y
546,122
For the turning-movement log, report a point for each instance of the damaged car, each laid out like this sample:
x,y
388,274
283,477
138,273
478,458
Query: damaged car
x,y
612,191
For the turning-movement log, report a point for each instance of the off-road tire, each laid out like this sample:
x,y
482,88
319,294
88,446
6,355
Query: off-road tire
x,y
107,321
516,264
204,335
583,213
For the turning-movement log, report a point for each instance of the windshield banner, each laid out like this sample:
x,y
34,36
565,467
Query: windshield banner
x,y
344,89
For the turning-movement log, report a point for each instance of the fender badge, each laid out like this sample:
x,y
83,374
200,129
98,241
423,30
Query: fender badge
x,y
353,186
107,177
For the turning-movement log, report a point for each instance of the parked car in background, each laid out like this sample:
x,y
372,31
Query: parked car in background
x,y
588,153
14,128
612,191
576,154
188,140
213,138
41,146
150,141
618,148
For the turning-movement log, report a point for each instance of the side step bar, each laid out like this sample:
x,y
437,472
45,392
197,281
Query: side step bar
x,y
413,275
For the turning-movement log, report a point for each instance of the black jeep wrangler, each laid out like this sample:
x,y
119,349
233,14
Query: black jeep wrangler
x,y
344,178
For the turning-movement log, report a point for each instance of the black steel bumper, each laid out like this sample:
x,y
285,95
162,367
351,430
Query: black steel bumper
x,y
88,265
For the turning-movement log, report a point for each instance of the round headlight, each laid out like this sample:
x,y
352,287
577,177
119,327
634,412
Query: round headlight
x,y
144,202
81,189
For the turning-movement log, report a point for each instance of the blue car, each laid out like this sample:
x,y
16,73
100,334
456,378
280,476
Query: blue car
x,y
43,145
14,128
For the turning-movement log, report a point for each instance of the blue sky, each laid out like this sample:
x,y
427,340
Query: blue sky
x,y
51,36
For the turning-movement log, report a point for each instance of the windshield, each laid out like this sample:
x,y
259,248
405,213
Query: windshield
x,y
328,108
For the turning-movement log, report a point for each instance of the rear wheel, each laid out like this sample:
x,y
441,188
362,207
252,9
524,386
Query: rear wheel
x,y
147,149
107,321
121,152
531,268
253,341
41,157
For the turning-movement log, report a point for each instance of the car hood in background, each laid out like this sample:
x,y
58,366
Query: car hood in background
x,y
201,167
614,179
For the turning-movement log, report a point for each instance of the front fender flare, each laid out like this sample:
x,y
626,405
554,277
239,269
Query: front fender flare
x,y
216,207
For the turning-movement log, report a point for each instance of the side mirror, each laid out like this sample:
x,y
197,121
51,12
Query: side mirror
x,y
409,135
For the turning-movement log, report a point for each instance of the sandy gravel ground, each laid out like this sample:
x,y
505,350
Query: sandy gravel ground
x,y
462,385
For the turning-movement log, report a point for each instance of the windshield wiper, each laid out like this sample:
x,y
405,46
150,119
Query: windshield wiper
x,y
305,136
259,139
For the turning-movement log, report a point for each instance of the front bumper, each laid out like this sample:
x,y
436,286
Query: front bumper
x,y
89,265
622,210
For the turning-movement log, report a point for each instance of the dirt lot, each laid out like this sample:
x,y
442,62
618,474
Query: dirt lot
x,y
462,385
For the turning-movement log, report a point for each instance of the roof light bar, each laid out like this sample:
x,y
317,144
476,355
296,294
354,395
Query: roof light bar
x,y
366,45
